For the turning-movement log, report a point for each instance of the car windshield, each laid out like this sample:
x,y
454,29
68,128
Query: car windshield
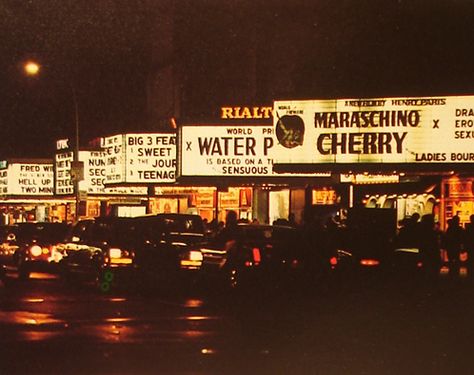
x,y
110,230
53,232
171,224
268,233
183,224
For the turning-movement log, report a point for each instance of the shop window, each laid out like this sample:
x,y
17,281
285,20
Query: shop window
x,y
389,203
372,203
279,205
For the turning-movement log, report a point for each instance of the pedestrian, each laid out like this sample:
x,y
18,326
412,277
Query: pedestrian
x,y
454,243
292,220
229,231
408,235
228,236
429,246
469,242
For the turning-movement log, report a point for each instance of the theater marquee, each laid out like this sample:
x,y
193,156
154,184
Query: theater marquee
x,y
140,158
387,130
230,151
226,150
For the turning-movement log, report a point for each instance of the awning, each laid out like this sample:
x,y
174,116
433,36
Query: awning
x,y
425,185
375,168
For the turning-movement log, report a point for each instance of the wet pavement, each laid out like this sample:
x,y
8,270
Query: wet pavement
x,y
371,327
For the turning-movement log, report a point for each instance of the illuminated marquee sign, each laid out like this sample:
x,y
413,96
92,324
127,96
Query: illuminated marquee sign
x,y
140,158
226,151
114,148
246,113
27,179
64,184
95,173
388,130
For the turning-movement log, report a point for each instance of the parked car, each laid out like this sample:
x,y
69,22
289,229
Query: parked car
x,y
3,273
369,247
98,248
30,247
365,242
169,247
149,250
260,256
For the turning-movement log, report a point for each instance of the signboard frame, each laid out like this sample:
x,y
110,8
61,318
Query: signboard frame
x,y
374,135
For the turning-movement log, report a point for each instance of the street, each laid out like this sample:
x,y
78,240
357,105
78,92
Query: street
x,y
387,328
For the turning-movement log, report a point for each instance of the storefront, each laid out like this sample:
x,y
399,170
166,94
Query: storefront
x,y
410,137
93,198
408,195
27,191
146,164
236,159
200,200
457,198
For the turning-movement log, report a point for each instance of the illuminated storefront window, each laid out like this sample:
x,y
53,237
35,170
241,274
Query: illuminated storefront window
x,y
458,200
324,196
280,205
235,199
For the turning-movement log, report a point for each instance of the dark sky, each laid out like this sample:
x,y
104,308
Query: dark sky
x,y
307,49
98,47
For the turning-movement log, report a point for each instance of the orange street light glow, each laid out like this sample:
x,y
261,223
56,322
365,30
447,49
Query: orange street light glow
x,y
31,68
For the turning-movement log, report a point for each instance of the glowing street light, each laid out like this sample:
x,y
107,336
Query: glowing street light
x,y
31,68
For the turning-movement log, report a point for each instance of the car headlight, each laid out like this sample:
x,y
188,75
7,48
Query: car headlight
x,y
36,250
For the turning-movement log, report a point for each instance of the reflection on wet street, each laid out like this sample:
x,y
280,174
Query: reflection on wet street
x,y
384,328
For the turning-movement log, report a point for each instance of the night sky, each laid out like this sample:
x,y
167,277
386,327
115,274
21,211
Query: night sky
x,y
318,49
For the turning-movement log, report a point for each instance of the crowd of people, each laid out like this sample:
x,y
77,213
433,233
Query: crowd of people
x,y
435,246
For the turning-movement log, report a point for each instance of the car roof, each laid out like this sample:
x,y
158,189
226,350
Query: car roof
x,y
170,215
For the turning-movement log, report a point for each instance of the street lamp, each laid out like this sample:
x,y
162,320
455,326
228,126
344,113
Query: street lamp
x,y
32,68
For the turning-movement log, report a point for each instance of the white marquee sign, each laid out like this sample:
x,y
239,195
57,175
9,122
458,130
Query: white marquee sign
x,y
387,130
95,173
226,150
64,183
30,179
140,158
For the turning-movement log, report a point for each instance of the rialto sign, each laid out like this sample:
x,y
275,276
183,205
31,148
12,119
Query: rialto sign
x,y
387,130
226,150
246,113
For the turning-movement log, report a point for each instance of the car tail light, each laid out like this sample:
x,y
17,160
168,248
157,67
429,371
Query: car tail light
x,y
36,250
192,260
118,257
369,262
333,261
419,264
257,257
195,255
115,253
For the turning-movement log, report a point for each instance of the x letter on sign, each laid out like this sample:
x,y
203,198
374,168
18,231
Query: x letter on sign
x,y
188,146
436,124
